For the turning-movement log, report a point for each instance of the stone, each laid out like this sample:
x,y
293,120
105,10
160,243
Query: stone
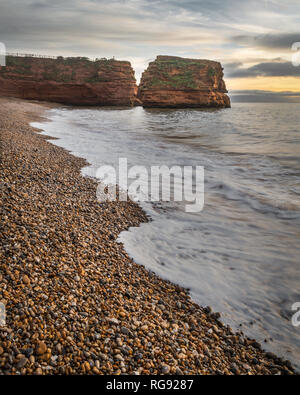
x,y
26,279
125,330
165,369
41,348
113,320
22,362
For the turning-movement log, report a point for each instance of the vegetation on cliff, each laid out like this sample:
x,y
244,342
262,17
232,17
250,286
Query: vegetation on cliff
x,y
178,73
161,73
70,69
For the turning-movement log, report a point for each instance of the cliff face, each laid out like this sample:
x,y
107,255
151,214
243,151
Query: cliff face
x,y
171,81
77,81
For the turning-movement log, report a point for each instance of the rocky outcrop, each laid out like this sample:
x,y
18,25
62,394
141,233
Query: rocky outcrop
x,y
77,81
169,81
172,81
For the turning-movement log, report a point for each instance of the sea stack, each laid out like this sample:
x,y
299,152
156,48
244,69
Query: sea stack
x,y
77,80
174,82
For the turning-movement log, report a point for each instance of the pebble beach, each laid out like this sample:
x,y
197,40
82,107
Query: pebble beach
x,y
75,302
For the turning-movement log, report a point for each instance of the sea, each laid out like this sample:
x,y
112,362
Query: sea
x,y
241,253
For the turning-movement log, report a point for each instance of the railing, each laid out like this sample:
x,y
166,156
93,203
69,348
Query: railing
x,y
30,55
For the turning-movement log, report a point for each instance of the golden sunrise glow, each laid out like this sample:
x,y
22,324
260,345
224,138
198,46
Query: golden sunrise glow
x,y
275,84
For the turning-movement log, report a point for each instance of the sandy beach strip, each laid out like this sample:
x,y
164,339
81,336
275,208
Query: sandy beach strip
x,y
75,301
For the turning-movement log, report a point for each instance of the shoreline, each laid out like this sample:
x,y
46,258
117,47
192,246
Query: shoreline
x,y
76,302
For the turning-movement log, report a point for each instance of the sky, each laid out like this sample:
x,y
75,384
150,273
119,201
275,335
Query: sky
x,y
252,39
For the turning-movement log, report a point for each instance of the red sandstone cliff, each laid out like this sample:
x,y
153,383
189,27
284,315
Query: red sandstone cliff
x,y
76,81
171,81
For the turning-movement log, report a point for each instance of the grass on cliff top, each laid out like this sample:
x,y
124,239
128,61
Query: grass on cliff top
x,y
186,78
60,69
180,62
17,60
79,59
21,68
179,81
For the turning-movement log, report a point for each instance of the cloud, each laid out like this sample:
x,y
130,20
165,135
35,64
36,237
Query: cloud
x,y
223,30
281,41
25,23
129,23
276,68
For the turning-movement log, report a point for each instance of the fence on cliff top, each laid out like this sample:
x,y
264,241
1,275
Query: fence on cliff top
x,y
32,55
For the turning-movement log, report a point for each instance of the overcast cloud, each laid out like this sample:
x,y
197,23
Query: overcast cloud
x,y
269,41
248,37
276,68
